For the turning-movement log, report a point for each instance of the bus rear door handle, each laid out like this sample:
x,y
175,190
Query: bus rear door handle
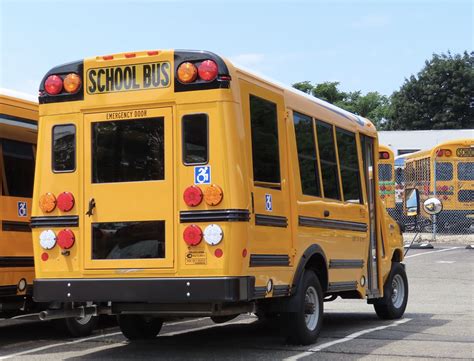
x,y
90,212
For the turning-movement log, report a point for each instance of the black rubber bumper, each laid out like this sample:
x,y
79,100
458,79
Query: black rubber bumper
x,y
148,290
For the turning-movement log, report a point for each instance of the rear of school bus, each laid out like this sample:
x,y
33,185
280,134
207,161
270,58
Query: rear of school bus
x,y
387,178
147,202
135,202
18,131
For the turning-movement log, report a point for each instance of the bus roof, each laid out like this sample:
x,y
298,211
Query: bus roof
x,y
18,95
297,98
463,142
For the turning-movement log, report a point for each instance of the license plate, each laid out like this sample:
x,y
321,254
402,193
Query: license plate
x,y
128,78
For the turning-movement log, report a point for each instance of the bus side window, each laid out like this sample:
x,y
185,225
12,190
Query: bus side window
x,y
304,133
265,150
64,148
327,158
348,160
19,166
195,139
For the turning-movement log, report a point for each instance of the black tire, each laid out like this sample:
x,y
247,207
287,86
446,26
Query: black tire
x,y
394,302
303,330
223,319
138,327
80,327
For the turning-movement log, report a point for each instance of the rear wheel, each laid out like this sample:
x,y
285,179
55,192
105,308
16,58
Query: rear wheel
x,y
392,305
138,327
304,325
80,327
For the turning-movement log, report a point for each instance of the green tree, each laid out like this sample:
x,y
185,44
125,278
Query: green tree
x,y
439,97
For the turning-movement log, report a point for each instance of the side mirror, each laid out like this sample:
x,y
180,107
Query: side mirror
x,y
432,206
412,202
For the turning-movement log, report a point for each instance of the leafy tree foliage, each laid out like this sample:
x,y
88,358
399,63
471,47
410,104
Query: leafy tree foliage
x,y
438,97
441,96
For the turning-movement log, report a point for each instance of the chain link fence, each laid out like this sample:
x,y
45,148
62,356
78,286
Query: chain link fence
x,y
452,182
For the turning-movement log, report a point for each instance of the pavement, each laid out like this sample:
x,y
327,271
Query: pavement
x,y
438,325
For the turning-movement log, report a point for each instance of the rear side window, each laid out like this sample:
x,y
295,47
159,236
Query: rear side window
x,y
444,171
64,148
327,157
128,150
195,139
304,133
19,165
265,150
349,163
385,172
466,171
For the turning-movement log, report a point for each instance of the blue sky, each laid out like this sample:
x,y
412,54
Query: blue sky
x,y
365,45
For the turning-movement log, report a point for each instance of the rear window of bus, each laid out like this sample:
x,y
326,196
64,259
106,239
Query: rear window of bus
x,y
385,172
195,139
466,171
444,171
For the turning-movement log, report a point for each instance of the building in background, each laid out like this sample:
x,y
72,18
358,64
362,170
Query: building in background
x,y
408,141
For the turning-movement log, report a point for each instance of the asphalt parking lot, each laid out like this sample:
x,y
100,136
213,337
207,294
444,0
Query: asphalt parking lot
x,y
438,324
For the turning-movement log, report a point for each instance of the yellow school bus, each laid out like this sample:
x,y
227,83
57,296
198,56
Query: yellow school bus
x,y
18,131
18,135
446,171
174,183
387,177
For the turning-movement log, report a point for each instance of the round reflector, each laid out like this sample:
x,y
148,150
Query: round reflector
x,y
207,70
66,238
47,239
187,73
47,202
192,196
192,235
65,201
44,256
218,253
72,82
213,234
213,195
53,84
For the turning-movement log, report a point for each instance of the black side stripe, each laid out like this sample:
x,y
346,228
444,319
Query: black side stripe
x,y
271,221
346,263
13,226
342,286
8,290
304,221
269,260
7,262
61,221
259,292
221,215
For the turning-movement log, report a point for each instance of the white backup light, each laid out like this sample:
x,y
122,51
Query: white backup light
x,y
213,234
47,239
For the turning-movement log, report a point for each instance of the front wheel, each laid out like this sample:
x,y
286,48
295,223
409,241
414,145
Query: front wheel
x,y
304,325
392,305
138,327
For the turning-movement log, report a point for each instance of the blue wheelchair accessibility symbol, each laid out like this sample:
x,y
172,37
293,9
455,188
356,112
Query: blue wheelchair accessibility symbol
x,y
268,202
22,210
202,175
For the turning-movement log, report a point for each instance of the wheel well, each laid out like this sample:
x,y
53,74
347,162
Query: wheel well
x,y
317,264
397,256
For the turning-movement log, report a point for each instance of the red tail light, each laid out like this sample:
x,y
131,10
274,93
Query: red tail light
x,y
65,201
53,85
207,70
192,235
445,152
384,155
192,196
66,238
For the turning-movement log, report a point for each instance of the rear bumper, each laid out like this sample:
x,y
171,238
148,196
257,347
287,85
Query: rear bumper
x,y
146,290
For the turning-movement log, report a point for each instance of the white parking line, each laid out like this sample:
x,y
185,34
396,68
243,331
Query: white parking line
x,y
42,348
345,339
438,250
80,340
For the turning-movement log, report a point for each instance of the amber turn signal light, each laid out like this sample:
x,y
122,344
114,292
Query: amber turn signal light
x,y
187,73
72,83
213,195
47,202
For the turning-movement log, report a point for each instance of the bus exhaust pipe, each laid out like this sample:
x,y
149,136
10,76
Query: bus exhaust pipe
x,y
78,312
